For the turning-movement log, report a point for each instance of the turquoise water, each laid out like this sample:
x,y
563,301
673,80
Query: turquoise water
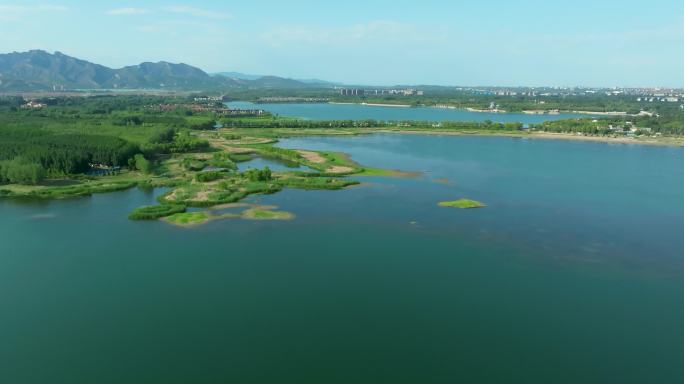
x,y
322,111
272,164
573,273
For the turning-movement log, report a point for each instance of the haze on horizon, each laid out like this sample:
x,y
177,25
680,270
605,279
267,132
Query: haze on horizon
x,y
530,43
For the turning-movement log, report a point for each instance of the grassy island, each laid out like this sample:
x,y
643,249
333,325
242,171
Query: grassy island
x,y
462,204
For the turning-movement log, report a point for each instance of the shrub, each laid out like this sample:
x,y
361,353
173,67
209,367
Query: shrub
x,y
206,177
258,174
19,171
141,163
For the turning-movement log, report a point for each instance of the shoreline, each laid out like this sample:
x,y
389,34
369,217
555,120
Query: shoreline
x,y
374,104
332,163
614,113
502,111
553,112
672,142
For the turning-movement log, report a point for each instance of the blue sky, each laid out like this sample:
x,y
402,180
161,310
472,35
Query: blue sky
x,y
495,42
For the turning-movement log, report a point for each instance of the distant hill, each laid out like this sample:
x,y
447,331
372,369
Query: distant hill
x,y
272,80
39,70
238,75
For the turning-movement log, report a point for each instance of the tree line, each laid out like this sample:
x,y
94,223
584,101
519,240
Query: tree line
x,y
65,154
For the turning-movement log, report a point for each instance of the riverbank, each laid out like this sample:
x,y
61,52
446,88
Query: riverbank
x,y
661,141
375,104
614,113
486,110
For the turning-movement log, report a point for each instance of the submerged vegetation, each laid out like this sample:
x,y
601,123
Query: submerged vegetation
x,y
190,219
266,213
253,212
462,204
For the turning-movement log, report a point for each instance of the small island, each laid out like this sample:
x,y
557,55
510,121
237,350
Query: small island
x,y
462,204
252,212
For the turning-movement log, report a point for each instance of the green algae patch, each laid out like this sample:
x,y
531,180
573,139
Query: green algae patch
x,y
187,219
462,204
266,213
378,172
192,219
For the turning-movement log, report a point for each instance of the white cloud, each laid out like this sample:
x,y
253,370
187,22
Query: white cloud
x,y
197,12
127,11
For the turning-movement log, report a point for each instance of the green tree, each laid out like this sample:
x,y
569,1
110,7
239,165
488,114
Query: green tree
x,y
20,171
142,164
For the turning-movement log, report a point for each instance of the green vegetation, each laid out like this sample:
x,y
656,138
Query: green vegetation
x,y
206,177
21,171
60,189
315,182
286,127
258,174
462,204
192,219
140,163
222,160
278,153
189,218
74,135
649,114
377,172
79,146
156,211
265,213
239,158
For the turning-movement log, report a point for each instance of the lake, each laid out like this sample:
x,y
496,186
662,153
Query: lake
x,y
324,111
573,273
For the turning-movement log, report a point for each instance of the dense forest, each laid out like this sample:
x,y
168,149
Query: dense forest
x,y
72,135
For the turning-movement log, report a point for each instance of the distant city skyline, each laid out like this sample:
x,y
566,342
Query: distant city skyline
x,y
497,43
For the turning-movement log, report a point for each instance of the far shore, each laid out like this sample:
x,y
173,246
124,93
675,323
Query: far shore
x,y
614,113
498,111
374,104
663,141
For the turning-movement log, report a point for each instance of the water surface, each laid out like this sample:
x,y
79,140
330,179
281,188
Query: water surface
x,y
324,111
573,273
272,164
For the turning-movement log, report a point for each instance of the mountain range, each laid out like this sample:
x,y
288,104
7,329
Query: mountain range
x,y
246,76
39,70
